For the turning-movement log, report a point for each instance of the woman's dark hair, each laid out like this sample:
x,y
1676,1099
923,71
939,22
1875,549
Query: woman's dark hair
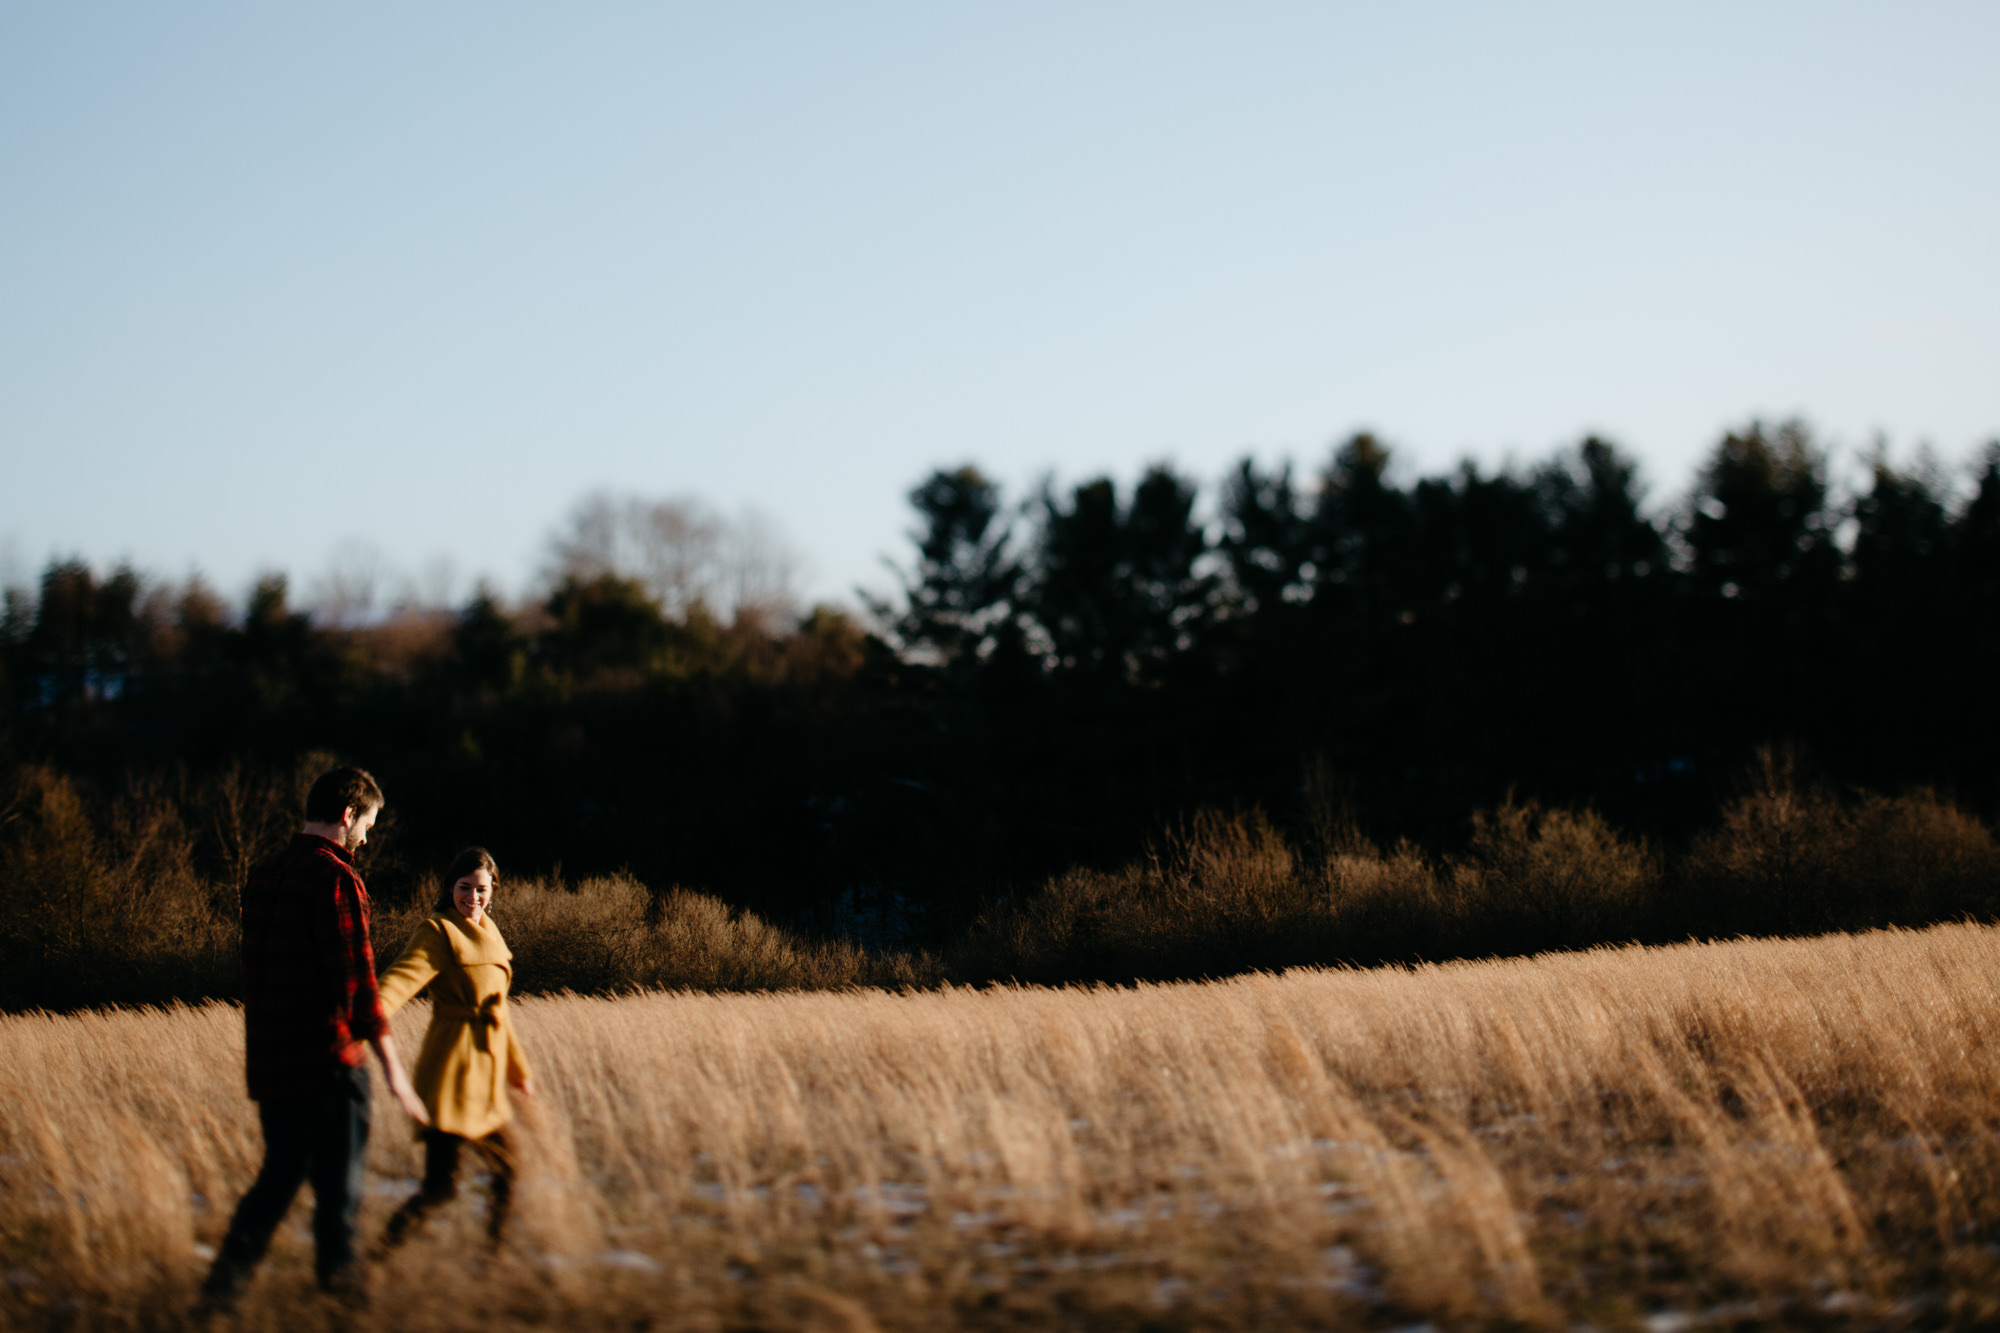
x,y
467,861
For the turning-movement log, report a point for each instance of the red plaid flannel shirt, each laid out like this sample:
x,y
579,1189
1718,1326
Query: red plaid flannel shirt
x,y
309,997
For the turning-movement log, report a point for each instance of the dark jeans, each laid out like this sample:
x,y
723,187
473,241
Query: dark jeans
x,y
322,1138
441,1154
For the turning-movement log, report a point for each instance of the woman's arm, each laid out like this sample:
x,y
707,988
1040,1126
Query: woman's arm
x,y
519,1073
422,958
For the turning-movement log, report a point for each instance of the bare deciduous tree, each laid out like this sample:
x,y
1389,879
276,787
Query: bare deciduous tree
x,y
346,593
683,552
762,570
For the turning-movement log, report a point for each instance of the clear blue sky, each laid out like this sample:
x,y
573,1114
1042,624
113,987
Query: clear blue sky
x,y
276,277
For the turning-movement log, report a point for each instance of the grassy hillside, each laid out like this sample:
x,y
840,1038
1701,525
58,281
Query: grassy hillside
x,y
1794,1131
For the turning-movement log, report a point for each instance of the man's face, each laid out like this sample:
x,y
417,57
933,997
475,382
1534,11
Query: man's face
x,y
354,827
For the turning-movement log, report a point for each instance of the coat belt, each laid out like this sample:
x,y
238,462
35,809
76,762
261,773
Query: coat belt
x,y
484,1017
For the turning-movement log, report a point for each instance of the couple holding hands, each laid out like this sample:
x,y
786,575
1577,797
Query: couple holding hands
x,y
313,1006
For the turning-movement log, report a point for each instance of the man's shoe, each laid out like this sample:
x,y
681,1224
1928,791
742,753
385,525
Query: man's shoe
x,y
212,1307
220,1291
348,1286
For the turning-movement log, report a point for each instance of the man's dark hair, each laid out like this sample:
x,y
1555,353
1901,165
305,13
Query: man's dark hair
x,y
465,863
337,789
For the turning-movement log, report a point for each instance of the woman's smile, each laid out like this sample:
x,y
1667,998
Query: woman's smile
x,y
471,894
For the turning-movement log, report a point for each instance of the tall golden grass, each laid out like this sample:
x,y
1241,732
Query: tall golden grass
x,y
1797,1131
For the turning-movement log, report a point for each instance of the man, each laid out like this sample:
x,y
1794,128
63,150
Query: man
x,y
309,1006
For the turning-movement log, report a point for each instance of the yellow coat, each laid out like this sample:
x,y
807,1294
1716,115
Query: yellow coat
x,y
470,1052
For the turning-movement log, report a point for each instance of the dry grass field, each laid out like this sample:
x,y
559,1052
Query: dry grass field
x,y
1785,1132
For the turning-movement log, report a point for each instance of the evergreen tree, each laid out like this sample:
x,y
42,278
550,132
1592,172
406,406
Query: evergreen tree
x,y
1475,542
1597,536
1361,535
1759,522
1975,538
1266,538
85,632
1118,588
604,623
959,598
1901,528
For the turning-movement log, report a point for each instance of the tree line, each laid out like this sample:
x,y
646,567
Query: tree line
x,y
1064,675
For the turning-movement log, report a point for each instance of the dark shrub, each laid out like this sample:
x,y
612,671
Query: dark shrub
x,y
1793,856
1537,878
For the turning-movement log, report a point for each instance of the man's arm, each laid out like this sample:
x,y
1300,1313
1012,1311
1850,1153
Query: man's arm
x,y
353,966
399,1083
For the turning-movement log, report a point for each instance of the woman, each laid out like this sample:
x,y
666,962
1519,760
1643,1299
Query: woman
x,y
470,1055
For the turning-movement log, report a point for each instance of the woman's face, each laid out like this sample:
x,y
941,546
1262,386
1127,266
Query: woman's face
x,y
472,893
